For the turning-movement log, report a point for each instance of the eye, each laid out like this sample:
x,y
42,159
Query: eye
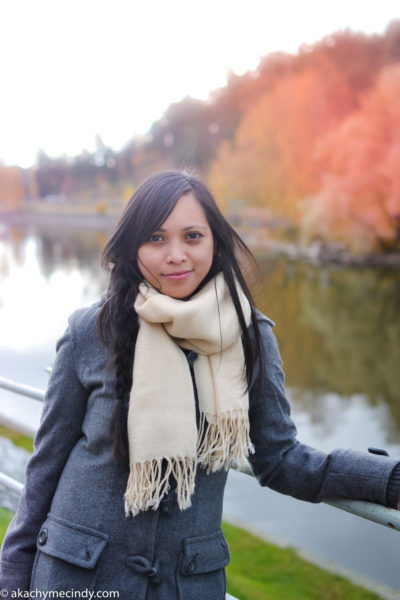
x,y
194,235
156,237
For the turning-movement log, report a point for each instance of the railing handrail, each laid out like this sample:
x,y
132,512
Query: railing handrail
x,y
377,513
21,388
388,517
11,483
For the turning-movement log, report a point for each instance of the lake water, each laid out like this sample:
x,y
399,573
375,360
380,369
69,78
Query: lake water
x,y
339,335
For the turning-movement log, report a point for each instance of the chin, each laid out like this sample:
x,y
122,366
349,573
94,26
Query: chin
x,y
179,294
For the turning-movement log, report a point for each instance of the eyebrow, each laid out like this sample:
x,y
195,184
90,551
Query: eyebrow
x,y
187,228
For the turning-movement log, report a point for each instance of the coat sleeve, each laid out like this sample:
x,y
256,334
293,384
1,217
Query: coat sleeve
x,y
60,428
286,465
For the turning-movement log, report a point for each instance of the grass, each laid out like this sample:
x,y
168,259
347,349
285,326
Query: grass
x,y
262,571
18,439
5,518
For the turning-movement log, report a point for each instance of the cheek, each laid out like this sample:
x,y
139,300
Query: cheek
x,y
210,255
145,261
141,268
202,260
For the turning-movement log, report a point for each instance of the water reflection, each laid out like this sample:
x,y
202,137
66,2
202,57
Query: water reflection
x,y
339,331
44,277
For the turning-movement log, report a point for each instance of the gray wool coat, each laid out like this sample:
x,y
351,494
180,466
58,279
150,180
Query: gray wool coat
x,y
70,531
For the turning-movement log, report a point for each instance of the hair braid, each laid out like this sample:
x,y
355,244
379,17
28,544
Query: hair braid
x,y
118,324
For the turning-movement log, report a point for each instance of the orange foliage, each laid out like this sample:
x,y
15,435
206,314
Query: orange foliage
x,y
270,162
11,188
359,200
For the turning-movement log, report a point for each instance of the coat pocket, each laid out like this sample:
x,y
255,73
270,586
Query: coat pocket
x,y
202,567
67,552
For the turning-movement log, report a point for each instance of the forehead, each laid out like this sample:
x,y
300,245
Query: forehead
x,y
187,211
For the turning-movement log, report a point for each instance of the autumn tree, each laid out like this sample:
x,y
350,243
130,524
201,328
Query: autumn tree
x,y
270,162
359,57
359,197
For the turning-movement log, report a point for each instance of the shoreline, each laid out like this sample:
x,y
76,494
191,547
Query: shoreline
x,y
318,254
60,219
381,589
330,254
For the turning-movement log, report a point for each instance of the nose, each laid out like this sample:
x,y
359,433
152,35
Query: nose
x,y
176,253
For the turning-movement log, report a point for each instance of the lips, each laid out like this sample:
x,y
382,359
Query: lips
x,y
177,275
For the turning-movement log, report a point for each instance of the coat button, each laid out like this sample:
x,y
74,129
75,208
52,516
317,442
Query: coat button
x,y
190,566
42,537
165,504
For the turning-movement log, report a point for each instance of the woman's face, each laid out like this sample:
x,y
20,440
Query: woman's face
x,y
178,256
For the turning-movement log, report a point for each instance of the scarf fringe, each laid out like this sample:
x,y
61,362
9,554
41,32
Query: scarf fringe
x,y
223,438
149,481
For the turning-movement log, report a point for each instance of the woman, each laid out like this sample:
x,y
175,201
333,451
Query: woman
x,y
156,389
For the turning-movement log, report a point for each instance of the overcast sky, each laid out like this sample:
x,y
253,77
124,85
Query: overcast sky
x,y
73,69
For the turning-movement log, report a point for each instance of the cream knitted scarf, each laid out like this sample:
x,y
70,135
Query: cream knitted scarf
x,y
164,441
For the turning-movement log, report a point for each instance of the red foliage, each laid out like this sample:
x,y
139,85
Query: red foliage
x,y
359,199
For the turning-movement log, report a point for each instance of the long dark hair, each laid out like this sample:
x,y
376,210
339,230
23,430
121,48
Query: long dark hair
x,y
149,207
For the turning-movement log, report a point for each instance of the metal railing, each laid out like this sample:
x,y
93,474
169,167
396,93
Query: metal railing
x,y
367,510
377,513
389,517
22,389
11,484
